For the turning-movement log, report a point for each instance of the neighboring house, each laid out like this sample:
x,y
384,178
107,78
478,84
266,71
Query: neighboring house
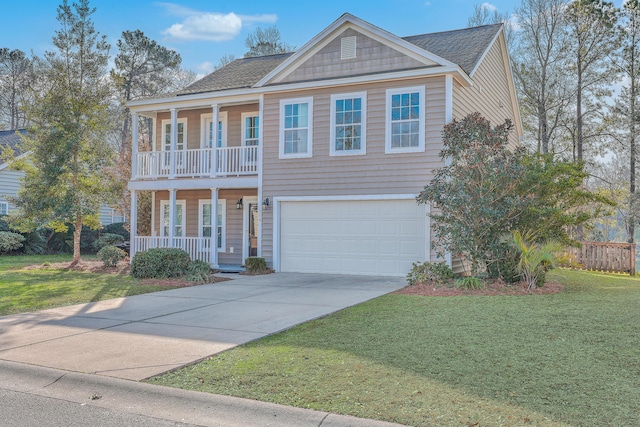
x,y
10,179
319,154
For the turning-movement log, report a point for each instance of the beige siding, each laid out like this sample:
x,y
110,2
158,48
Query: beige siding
x,y
371,57
489,94
233,233
9,184
370,174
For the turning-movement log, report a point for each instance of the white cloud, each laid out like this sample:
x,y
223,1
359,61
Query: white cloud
x,y
210,26
488,6
206,67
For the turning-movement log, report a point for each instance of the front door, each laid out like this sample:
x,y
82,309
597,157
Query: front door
x,y
253,229
250,227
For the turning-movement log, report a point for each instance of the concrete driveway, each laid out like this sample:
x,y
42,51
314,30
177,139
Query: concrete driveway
x,y
145,335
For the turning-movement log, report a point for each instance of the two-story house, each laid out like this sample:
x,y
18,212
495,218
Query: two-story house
x,y
313,159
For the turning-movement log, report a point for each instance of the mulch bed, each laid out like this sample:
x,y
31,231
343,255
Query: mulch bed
x,y
493,288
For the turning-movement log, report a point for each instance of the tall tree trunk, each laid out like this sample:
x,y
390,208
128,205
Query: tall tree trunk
x,y
76,240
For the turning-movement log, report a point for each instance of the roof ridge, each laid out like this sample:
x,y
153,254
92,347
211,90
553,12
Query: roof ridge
x,y
453,31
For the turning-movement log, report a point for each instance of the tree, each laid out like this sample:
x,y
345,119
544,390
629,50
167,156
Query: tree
x,y
487,190
64,184
539,63
266,42
224,60
16,77
590,25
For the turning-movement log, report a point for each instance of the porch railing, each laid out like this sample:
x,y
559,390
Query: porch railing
x,y
241,160
198,248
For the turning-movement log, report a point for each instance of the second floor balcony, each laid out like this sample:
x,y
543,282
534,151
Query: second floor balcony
x,y
202,162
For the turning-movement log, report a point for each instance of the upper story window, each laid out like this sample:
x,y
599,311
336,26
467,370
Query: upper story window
x,y
405,118
4,208
206,130
348,124
250,128
181,141
296,124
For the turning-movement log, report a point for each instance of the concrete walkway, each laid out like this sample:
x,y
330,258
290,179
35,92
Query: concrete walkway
x,y
141,336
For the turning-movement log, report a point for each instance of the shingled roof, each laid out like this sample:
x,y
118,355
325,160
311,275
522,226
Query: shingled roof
x,y
10,138
463,47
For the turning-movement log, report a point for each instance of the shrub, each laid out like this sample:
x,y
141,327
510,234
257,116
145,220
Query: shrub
x,y
506,267
470,282
256,265
438,272
10,241
108,239
117,228
198,271
110,255
160,263
535,259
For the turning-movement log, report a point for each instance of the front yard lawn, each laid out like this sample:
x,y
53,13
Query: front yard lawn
x,y
570,358
37,289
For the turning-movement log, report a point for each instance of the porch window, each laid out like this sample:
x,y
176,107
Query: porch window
x,y
250,128
348,124
206,131
205,221
165,220
405,120
181,142
296,124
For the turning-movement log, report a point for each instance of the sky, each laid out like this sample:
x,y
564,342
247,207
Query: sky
x,y
203,31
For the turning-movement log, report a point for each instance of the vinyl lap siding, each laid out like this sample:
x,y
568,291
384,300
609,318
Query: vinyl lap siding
x,y
9,184
370,174
371,57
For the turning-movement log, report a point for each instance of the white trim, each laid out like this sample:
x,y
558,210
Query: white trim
x,y
448,99
180,202
260,174
348,47
486,51
203,100
284,102
421,120
363,124
153,213
222,211
243,127
345,22
246,216
248,181
427,228
278,200
163,134
207,118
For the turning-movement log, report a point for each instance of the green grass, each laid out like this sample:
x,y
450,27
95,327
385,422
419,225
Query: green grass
x,y
30,290
565,359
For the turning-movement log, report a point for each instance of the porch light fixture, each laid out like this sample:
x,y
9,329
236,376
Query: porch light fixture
x,y
239,204
265,204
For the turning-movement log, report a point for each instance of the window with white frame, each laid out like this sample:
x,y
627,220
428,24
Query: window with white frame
x,y
250,129
296,124
181,140
206,130
348,124
204,221
165,218
405,116
4,208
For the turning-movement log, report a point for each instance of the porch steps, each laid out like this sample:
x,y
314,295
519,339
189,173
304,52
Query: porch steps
x,y
227,268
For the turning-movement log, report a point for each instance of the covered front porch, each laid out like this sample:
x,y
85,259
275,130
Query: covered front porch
x,y
197,221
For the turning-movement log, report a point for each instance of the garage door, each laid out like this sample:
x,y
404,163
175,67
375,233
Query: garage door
x,y
380,237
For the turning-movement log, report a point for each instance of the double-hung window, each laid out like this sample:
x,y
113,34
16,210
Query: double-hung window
x,y
165,220
405,117
296,124
348,124
4,208
181,141
206,131
204,222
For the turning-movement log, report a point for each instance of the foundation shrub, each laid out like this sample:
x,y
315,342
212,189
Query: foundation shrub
x,y
160,263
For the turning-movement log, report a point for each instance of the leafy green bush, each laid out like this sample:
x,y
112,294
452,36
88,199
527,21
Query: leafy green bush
x,y
10,241
108,239
470,282
438,272
198,271
160,263
256,265
535,259
117,228
506,267
110,255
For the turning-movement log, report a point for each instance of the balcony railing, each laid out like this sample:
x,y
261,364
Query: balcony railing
x,y
198,248
197,163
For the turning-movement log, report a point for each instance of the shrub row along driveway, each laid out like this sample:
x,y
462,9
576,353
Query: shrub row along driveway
x,y
141,336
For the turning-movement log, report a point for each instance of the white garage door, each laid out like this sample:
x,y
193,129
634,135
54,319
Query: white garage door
x,y
379,237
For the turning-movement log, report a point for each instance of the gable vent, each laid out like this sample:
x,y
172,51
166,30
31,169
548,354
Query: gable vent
x,y
348,47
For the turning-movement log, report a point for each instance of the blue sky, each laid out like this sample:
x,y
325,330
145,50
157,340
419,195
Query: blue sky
x,y
202,31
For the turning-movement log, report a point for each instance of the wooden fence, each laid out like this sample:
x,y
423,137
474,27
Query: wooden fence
x,y
609,257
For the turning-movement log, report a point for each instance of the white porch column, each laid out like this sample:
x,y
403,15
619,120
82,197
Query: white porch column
x,y
133,224
215,118
172,216
214,228
260,173
134,145
174,142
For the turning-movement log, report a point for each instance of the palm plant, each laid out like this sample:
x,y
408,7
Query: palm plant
x,y
535,258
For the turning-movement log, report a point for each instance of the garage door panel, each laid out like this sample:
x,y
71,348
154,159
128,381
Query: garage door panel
x,y
351,237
